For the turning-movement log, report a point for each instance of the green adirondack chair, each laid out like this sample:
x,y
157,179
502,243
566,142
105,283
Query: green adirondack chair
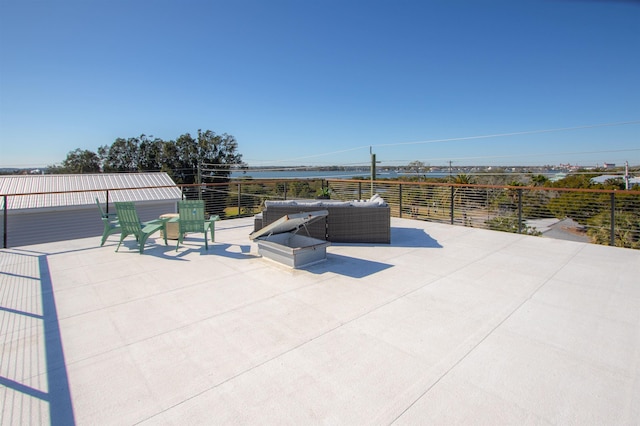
x,y
130,225
110,222
192,220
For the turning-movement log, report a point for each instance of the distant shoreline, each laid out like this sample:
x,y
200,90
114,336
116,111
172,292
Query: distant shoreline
x,y
319,174
349,174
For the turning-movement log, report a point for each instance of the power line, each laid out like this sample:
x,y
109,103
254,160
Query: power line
x,y
497,135
466,138
488,157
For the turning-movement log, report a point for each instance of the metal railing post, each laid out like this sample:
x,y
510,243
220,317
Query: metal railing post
x,y
519,211
4,220
612,240
239,196
453,194
359,190
107,198
400,200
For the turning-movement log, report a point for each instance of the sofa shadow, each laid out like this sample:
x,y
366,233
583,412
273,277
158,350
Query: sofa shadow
x,y
412,237
347,266
403,237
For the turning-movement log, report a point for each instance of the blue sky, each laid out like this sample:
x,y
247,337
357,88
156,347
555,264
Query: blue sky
x,y
320,82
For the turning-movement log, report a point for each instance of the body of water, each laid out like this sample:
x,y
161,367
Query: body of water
x,y
320,174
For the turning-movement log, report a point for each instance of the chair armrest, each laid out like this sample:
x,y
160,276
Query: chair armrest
x,y
213,219
154,222
210,223
112,222
152,227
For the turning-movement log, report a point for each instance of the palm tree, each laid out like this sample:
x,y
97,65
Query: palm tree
x,y
464,179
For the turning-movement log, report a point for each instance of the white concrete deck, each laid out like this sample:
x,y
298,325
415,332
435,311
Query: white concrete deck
x,y
447,325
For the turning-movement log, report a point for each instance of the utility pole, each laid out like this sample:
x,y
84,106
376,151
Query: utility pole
x,y
373,168
626,175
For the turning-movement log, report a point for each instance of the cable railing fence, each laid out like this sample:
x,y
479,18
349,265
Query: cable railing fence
x,y
610,217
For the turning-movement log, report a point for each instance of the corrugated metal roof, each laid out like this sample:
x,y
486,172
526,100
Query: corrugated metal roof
x,y
158,187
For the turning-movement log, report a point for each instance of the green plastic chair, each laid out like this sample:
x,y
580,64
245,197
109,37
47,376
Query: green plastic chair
x,y
130,225
192,220
110,222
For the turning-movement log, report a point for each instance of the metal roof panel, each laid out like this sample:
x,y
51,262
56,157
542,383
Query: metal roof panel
x,y
157,187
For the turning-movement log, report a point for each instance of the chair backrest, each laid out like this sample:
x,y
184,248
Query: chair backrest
x,y
128,217
103,214
191,215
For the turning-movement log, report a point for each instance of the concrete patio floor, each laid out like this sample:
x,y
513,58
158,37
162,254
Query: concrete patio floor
x,y
447,325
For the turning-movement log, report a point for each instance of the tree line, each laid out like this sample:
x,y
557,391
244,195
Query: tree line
x,y
181,159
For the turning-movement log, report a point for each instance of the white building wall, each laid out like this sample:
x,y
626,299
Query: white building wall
x,y
36,226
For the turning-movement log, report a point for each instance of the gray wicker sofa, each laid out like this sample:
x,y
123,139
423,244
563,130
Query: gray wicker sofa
x,y
348,221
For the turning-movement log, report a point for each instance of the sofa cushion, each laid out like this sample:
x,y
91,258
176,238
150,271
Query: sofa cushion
x,y
375,201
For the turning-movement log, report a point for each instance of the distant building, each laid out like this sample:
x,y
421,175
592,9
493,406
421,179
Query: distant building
x,y
608,165
70,215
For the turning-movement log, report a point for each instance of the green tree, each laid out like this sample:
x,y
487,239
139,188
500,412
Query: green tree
x,y
626,231
103,152
575,180
535,204
78,161
183,159
510,224
209,157
300,189
580,206
122,156
253,196
170,159
209,154
150,154
614,183
539,180
186,160
220,151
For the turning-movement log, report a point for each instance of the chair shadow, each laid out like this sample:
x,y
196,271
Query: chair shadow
x,y
153,247
190,246
196,244
223,249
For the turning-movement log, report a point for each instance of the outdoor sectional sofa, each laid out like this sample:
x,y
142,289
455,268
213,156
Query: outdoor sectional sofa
x,y
347,222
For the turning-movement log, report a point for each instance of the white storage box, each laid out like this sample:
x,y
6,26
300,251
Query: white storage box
x,y
281,242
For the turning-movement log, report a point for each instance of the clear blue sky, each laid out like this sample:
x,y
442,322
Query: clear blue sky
x,y
319,82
